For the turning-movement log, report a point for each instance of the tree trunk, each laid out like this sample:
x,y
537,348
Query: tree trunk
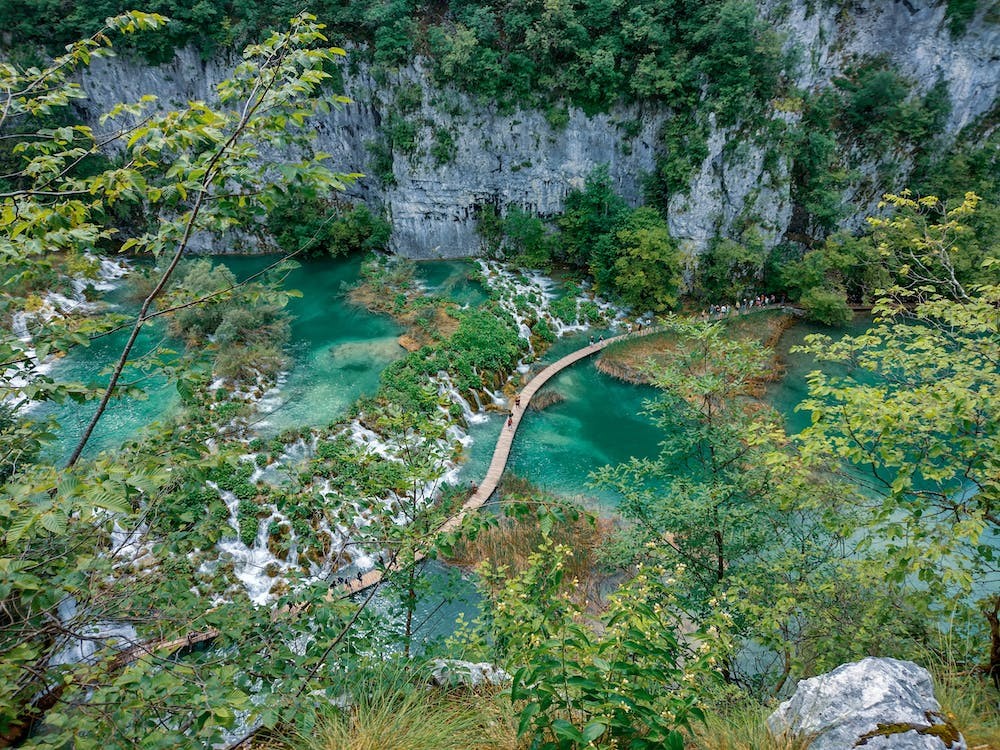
x,y
993,618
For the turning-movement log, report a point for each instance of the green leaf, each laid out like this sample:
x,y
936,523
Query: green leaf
x,y
564,729
527,714
592,731
19,527
54,521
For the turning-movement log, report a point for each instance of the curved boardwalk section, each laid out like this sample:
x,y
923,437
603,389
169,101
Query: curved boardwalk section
x,y
503,446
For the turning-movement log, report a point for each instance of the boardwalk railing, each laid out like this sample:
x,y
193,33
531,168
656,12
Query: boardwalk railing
x,y
501,452
506,439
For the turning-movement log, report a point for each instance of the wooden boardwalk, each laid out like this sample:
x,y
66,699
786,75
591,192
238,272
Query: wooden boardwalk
x,y
502,451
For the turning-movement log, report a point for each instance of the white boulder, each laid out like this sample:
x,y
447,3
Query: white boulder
x,y
877,704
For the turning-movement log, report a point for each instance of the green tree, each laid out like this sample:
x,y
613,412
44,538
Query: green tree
x,y
917,412
639,261
699,498
826,306
631,679
409,530
732,270
77,547
927,246
819,177
843,269
528,242
753,530
875,100
741,60
919,408
587,216
325,228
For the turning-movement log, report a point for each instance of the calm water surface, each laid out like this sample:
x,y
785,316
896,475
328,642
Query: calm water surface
x,y
338,351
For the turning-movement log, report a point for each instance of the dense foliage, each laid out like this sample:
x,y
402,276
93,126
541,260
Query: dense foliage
x,y
588,52
885,503
317,228
919,407
631,679
77,537
122,625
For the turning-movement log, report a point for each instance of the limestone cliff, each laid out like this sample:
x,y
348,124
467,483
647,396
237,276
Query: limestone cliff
x,y
502,156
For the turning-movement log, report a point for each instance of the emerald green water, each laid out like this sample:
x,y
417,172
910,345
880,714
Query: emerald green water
x,y
600,420
125,417
451,279
789,392
597,423
338,350
445,597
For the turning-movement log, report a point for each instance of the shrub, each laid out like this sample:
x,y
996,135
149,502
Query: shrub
x,y
827,306
320,228
620,684
526,239
565,308
443,149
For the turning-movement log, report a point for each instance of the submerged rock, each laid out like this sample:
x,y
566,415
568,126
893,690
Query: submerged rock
x,y
409,343
457,673
545,398
878,704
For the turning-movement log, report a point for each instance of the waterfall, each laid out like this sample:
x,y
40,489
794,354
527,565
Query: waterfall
x,y
92,636
447,388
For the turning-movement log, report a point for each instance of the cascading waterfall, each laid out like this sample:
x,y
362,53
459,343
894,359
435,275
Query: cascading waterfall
x,y
92,637
530,294
448,389
527,298
56,305
249,563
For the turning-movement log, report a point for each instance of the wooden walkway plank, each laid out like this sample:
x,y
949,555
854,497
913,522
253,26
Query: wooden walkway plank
x,y
501,452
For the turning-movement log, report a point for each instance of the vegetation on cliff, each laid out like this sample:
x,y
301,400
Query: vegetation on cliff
x,y
715,64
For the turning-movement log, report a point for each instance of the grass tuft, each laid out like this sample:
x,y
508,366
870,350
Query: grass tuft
x,y
742,727
972,704
518,533
395,717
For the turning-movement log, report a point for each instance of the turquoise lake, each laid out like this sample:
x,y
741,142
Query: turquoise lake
x,y
338,351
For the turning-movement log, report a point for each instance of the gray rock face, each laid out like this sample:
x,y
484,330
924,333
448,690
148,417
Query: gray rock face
x,y
500,160
504,160
912,35
731,182
878,704
518,158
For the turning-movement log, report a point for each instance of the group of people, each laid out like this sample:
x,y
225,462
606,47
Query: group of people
x,y
342,581
510,417
744,305
761,300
